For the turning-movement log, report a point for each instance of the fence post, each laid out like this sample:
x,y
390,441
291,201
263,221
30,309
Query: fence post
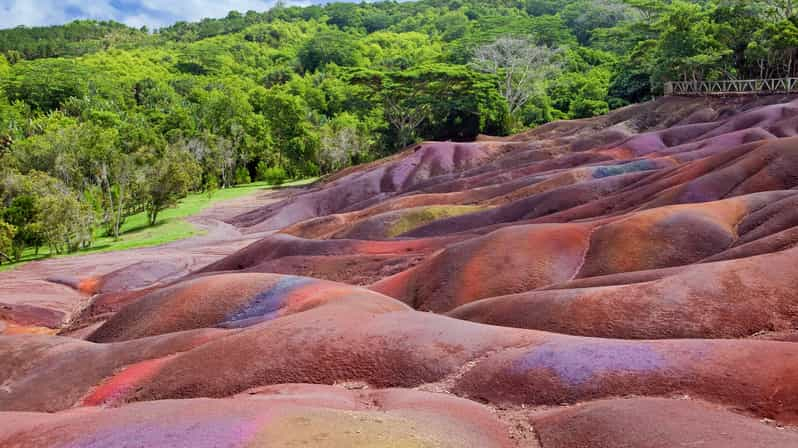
x,y
668,88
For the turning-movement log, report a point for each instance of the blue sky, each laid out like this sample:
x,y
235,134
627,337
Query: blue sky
x,y
153,13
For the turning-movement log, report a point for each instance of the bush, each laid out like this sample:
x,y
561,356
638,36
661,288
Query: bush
x,y
274,175
536,112
242,176
585,108
617,103
211,185
7,232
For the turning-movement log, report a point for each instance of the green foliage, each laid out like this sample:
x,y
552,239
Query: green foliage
x,y
7,233
345,140
101,123
400,51
451,102
22,214
286,114
5,66
328,47
242,176
73,39
169,178
585,16
211,186
67,222
582,94
585,107
45,84
699,40
629,85
688,46
273,175
44,211
775,48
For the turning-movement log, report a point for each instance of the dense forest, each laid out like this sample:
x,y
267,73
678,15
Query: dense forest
x,y
99,121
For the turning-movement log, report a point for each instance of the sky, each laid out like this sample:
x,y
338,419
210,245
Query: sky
x,y
136,13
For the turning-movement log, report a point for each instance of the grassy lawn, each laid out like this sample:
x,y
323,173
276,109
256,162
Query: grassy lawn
x,y
172,224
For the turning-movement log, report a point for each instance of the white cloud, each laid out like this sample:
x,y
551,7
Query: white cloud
x,y
13,13
153,13
145,19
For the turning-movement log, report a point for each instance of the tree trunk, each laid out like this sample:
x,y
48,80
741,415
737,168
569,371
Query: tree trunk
x,y
18,252
112,212
119,212
153,216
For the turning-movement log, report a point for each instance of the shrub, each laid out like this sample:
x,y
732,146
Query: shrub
x,y
585,108
242,176
274,175
211,185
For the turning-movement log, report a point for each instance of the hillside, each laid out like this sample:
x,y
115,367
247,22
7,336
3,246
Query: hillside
x,y
636,270
100,122
515,240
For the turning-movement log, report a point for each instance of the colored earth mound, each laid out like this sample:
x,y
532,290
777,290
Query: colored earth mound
x,y
623,281
288,415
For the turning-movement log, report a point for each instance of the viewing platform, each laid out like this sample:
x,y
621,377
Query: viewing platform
x,y
732,87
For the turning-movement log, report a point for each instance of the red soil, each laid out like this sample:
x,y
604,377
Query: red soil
x,y
669,229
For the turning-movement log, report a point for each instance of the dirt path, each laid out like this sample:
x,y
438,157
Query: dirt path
x,y
46,293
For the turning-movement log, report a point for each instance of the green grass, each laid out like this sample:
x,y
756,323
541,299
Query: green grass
x,y
171,226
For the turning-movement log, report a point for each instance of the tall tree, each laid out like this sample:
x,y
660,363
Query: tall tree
x,y
169,179
7,233
521,68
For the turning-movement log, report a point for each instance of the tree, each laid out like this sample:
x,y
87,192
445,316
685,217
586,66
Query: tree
x,y
521,68
45,84
774,50
101,108
5,66
343,141
67,222
343,15
542,7
290,130
22,213
116,178
585,16
649,10
7,232
377,20
444,102
52,213
405,117
743,19
169,179
328,47
781,9
688,47
400,51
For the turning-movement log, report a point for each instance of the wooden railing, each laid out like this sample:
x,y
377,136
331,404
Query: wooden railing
x,y
736,87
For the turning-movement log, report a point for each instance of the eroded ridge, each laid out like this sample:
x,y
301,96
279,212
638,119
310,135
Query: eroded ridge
x,y
627,280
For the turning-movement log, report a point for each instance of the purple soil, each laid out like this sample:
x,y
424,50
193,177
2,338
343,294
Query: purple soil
x,y
649,253
288,415
655,423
